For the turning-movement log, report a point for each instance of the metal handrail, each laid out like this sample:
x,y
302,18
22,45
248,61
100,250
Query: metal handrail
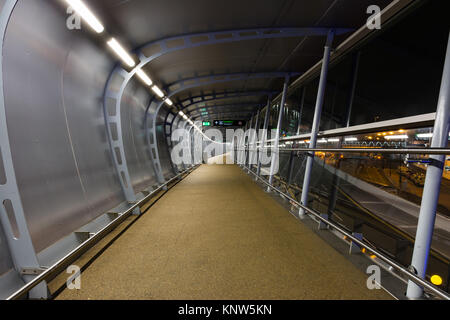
x,y
416,279
438,151
56,268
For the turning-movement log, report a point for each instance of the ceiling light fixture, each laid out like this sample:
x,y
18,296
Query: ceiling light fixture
x,y
121,53
86,14
169,102
158,91
141,74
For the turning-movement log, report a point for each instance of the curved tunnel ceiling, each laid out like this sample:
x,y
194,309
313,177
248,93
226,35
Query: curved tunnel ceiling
x,y
139,22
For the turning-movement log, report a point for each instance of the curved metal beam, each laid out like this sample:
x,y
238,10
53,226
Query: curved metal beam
x,y
187,103
233,105
214,97
18,239
193,40
222,78
226,113
168,45
222,96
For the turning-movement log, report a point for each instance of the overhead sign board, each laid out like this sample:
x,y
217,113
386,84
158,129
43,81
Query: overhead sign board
x,y
229,123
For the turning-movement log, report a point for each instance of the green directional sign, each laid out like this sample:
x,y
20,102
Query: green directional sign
x,y
206,124
229,123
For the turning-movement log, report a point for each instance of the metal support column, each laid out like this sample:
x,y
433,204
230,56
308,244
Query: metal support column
x,y
274,153
12,216
316,121
351,96
264,135
247,146
299,122
291,167
430,196
254,152
300,111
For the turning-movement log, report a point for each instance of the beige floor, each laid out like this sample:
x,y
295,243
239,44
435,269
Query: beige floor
x,y
217,235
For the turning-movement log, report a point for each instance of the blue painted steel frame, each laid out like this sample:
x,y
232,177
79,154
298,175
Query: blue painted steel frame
x,y
19,242
165,45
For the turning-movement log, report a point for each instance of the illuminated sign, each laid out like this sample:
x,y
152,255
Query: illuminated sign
x,y
229,123
206,124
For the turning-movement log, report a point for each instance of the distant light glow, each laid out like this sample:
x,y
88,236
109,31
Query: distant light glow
x,y
322,141
333,140
86,14
424,135
397,137
351,139
121,53
427,135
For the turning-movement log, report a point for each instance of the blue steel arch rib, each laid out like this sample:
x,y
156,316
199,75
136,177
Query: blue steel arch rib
x,y
19,242
185,84
214,97
223,96
231,105
191,101
238,113
194,40
189,41
196,82
221,78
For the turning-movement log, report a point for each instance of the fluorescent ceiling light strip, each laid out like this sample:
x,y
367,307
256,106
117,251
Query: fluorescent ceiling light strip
x,y
333,140
141,74
169,102
351,139
158,91
121,53
86,14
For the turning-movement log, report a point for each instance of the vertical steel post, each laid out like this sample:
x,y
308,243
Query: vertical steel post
x,y
299,122
264,135
253,141
12,215
274,152
247,145
351,96
430,196
316,121
302,104
291,167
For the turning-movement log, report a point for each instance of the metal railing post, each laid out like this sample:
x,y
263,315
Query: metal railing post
x,y
247,145
302,104
351,97
430,196
316,121
274,153
253,142
264,135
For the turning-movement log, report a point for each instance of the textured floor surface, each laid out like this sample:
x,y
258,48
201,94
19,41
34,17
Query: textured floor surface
x,y
217,235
